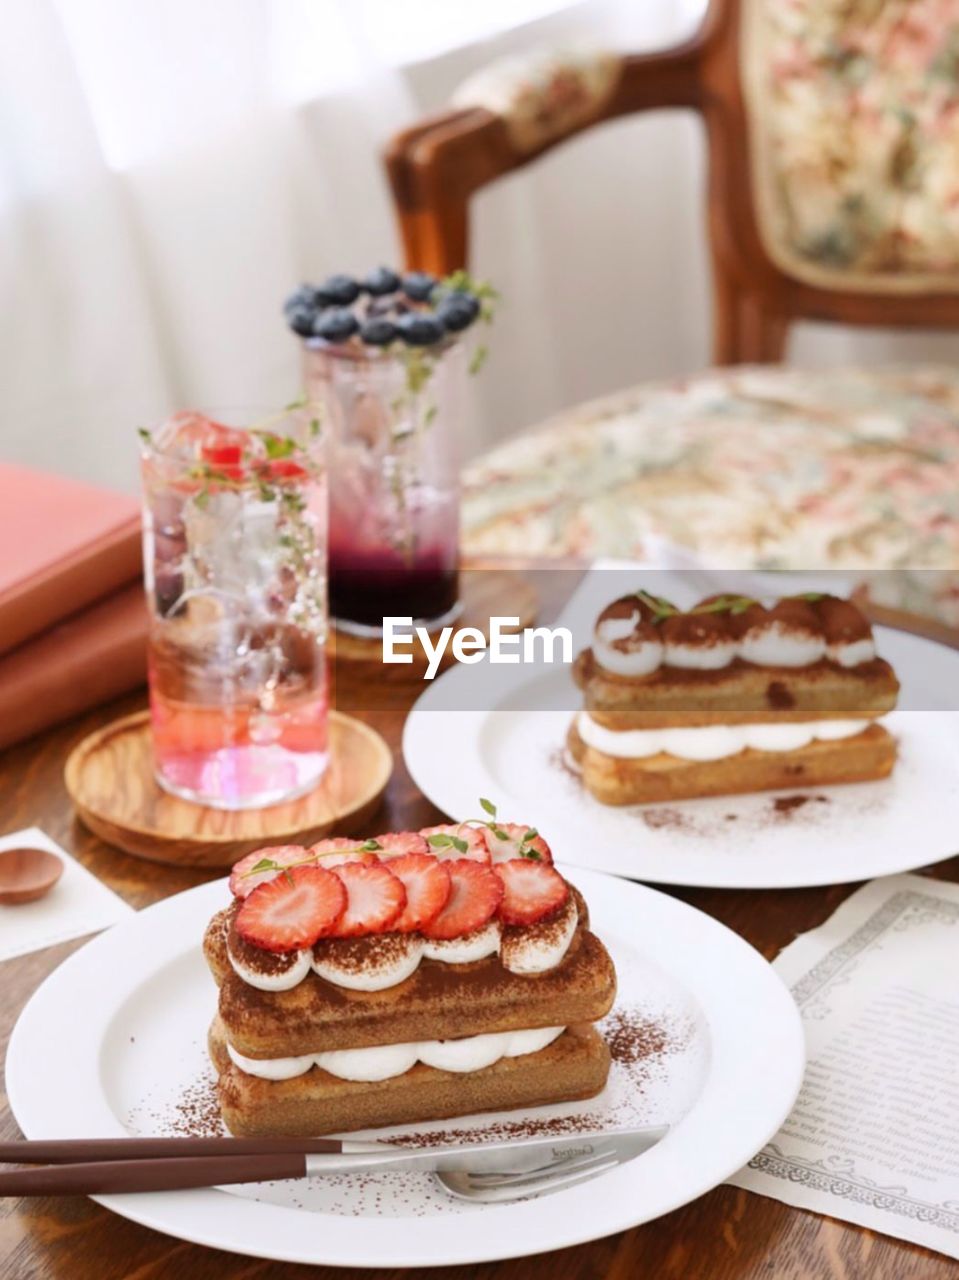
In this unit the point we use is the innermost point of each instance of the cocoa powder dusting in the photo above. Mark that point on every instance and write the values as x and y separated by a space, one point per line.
665 819
194 1114
786 806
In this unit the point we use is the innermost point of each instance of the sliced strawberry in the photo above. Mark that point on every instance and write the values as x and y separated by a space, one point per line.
427 885
242 883
475 894
531 890
226 455
285 469
396 843
375 898
517 844
339 850
472 837
293 911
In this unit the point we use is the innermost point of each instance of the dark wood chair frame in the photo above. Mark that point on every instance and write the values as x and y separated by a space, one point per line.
435 166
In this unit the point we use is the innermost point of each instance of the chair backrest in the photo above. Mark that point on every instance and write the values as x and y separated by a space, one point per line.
833 181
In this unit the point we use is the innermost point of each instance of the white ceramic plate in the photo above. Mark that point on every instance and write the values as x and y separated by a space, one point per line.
704 1036
513 752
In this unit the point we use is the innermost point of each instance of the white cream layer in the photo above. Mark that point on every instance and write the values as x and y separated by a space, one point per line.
529 950
770 644
711 742
382 1062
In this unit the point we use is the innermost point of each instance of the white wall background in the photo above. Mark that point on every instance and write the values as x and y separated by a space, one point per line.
169 169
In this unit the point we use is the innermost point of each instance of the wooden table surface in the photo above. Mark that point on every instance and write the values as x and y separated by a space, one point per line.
725 1234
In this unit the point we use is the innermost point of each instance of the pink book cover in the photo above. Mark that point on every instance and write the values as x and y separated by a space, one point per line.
63 545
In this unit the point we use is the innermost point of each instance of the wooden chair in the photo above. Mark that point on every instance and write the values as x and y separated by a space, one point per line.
794 234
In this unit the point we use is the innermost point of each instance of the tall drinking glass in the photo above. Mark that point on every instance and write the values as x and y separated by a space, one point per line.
392 418
234 542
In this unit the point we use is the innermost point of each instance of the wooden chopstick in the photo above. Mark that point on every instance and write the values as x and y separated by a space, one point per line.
91 1150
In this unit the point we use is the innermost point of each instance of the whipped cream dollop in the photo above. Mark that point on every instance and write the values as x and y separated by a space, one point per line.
523 950
376 961
623 646
477 945
370 963
383 1062
711 742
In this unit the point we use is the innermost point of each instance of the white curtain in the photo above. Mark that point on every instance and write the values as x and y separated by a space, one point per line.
170 168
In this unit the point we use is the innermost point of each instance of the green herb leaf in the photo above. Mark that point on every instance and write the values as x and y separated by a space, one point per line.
440 841
265 864
371 846
488 807
478 359
660 608
811 596
459 845
144 435
498 832
276 446
726 604
533 854
314 427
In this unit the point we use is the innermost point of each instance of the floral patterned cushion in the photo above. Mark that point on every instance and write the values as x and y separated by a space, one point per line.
542 96
854 119
747 468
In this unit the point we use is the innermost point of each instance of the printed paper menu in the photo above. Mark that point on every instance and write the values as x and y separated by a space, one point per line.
874 1135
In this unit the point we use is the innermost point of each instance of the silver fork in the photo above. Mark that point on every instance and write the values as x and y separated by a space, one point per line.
595 1155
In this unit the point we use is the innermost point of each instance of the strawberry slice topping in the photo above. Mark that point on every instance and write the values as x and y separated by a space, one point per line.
396 843
427 885
293 911
340 849
475 851
520 842
242 883
375 898
475 894
531 890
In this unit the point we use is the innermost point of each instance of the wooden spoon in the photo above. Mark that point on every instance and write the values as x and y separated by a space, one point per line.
27 874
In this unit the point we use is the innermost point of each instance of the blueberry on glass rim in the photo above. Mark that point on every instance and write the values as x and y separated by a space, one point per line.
340 290
336 325
458 311
378 332
381 281
419 329
418 285
301 319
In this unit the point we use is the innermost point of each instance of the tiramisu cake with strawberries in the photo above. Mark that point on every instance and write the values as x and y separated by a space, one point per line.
730 696
413 976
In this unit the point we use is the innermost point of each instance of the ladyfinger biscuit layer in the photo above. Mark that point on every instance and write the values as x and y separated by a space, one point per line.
741 693
661 778
572 1067
439 1001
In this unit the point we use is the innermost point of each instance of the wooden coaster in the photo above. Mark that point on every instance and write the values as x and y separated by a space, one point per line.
486 593
110 779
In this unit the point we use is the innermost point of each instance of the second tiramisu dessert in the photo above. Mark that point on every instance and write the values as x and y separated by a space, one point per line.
730 696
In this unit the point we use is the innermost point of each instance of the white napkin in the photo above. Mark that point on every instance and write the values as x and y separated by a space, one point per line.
874 1135
77 904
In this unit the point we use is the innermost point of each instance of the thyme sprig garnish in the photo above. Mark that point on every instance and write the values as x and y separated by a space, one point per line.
270 864
659 607
444 841
726 604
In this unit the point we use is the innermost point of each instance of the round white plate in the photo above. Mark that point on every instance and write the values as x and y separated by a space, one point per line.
704 1037
514 753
